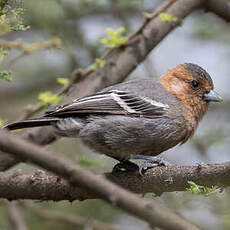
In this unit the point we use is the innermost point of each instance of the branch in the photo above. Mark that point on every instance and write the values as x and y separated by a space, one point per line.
69 219
40 136
119 64
15 216
106 190
28 48
41 186
221 8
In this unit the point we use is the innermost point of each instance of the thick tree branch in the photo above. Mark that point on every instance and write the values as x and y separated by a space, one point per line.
40 136
221 8
41 186
106 190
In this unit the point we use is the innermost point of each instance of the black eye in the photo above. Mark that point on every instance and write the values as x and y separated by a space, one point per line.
195 84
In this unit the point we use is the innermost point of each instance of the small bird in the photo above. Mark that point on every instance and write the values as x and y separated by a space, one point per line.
136 119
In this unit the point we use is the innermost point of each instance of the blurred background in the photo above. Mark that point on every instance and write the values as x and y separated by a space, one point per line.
75 27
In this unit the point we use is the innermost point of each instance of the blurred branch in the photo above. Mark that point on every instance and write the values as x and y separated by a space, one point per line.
221 8
15 216
118 65
31 110
3 3
84 9
69 219
28 48
106 190
150 16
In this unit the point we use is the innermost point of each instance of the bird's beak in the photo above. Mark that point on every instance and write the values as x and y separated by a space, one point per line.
212 96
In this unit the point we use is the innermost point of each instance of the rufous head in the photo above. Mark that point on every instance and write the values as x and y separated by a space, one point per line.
190 81
193 86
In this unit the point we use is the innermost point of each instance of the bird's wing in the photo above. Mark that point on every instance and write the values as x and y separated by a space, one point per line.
112 102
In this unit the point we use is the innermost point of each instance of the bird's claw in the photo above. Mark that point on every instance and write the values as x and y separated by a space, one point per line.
149 162
145 166
125 166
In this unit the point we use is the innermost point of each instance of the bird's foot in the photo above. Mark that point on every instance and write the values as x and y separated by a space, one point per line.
142 166
149 162
125 166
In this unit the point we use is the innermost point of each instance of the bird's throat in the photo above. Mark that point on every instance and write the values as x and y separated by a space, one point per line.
195 106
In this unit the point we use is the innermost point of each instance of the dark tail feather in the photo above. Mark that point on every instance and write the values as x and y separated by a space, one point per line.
31 123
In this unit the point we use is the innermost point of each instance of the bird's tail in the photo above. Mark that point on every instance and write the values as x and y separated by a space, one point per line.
44 121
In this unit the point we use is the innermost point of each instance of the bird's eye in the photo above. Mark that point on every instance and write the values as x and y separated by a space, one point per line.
195 84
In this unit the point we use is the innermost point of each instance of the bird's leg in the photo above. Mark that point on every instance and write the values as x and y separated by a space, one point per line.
149 162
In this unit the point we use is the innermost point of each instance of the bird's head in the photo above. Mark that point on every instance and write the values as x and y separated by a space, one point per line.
193 86
190 82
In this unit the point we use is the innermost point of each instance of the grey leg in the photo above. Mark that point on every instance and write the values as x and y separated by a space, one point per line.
149 162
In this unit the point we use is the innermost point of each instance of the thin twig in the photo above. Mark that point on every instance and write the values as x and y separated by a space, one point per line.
14 214
150 16
76 76
69 219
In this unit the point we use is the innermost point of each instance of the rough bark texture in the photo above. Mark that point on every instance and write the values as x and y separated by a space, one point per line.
42 186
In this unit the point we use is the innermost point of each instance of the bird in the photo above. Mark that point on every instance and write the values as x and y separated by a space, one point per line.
137 119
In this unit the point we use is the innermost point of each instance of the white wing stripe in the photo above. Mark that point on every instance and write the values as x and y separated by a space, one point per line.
90 97
122 103
92 100
156 103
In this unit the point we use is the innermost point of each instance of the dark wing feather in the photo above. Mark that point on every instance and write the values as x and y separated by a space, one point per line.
112 102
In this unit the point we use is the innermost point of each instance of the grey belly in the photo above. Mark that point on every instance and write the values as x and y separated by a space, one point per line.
121 137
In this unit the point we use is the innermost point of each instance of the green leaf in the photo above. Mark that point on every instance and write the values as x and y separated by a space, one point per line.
3 51
5 75
115 38
202 190
4 24
11 20
19 11
48 98
89 162
17 20
165 17
2 123
99 63
63 81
